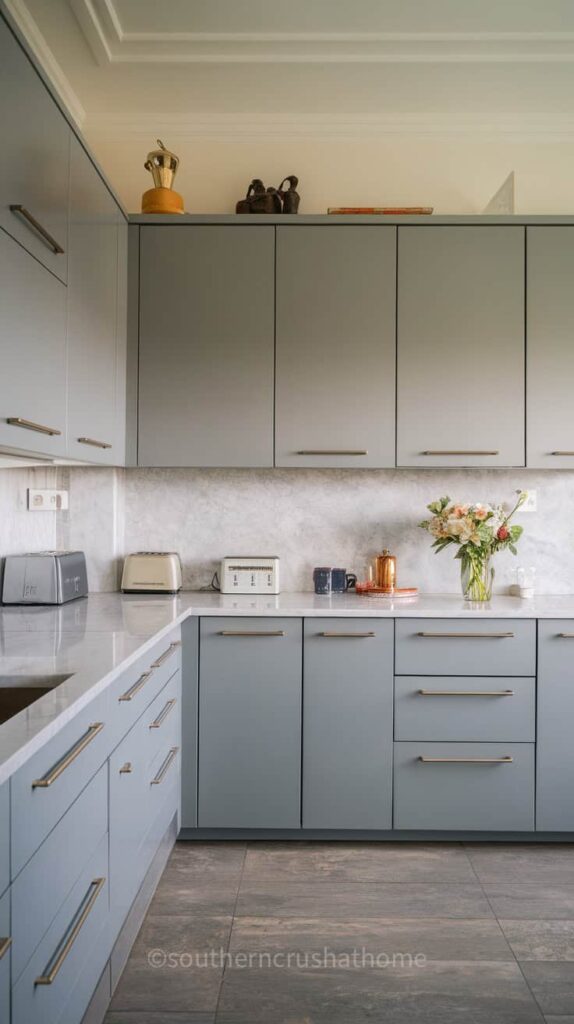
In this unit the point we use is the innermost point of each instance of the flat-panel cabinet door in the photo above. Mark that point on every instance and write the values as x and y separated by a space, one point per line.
206 346
460 346
92 315
250 723
335 386
5 954
348 723
550 351
32 353
554 747
34 159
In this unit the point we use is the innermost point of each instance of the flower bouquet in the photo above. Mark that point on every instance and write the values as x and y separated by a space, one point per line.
479 531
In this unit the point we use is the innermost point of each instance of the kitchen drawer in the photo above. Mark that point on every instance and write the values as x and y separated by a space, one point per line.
139 685
163 719
46 786
5 955
485 794
77 937
4 837
465 708
41 888
164 780
465 647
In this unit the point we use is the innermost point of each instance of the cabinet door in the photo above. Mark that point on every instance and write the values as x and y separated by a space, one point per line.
348 723
34 159
550 351
5 954
460 346
250 723
92 315
206 346
335 388
554 748
33 353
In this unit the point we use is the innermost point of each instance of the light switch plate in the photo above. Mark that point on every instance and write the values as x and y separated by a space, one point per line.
47 501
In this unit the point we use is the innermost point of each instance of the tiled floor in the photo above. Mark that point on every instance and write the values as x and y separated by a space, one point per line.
348 933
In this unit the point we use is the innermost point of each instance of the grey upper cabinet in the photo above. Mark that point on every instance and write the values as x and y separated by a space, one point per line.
34 160
460 346
32 353
550 350
95 409
335 384
206 346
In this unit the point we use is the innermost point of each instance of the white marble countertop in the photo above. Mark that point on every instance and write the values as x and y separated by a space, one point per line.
94 639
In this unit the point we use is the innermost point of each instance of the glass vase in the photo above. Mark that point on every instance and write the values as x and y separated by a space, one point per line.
476 576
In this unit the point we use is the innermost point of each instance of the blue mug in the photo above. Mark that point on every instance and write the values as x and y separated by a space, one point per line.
341 580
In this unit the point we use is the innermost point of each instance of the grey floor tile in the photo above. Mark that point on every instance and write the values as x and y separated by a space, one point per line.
202 862
137 1017
531 901
435 938
352 901
522 862
357 862
439 993
540 940
552 985
173 896
560 1019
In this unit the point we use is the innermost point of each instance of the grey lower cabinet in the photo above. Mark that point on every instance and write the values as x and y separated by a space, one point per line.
335 368
550 350
555 748
32 352
206 345
96 318
460 346
347 723
250 723
33 160
5 956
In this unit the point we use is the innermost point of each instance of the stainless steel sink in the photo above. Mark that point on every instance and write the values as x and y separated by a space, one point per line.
18 692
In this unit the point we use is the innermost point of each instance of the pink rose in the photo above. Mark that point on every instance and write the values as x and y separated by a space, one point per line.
503 533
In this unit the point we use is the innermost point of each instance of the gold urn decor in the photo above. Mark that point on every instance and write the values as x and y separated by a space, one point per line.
162 165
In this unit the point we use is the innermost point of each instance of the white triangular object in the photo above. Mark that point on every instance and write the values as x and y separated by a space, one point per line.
503 200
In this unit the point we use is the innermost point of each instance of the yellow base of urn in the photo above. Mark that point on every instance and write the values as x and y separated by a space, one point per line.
162 200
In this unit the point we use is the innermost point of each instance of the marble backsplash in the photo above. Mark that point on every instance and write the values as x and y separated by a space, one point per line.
307 517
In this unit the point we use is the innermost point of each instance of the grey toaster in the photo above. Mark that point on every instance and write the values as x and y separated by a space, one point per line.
44 577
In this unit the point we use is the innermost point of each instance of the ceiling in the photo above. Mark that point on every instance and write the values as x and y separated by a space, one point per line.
335 68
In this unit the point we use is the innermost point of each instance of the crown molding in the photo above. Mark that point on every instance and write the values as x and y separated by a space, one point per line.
45 57
109 43
252 127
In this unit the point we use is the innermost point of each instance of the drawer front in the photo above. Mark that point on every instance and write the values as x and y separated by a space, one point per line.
555 749
465 708
5 955
493 792
134 691
46 786
42 887
164 783
163 719
459 647
47 991
4 837
129 819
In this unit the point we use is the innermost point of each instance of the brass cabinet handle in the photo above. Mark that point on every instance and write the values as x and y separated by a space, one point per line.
163 714
126 769
466 636
5 946
95 444
358 636
566 636
465 693
133 690
17 208
333 451
562 453
17 421
68 758
466 760
253 632
460 453
166 654
165 767
55 964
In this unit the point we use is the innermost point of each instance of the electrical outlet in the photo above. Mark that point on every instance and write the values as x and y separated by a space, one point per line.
47 501
530 505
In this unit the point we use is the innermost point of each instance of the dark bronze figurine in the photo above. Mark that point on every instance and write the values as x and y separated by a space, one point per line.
290 197
270 200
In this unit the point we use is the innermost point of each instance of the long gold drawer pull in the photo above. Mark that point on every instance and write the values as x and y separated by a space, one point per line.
68 758
253 632
466 760
566 636
333 451
358 636
460 453
5 946
95 444
466 693
163 714
17 421
466 636
126 769
51 242
166 654
562 453
133 690
165 767
65 947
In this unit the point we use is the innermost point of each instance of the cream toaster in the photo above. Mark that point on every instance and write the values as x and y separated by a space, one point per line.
152 572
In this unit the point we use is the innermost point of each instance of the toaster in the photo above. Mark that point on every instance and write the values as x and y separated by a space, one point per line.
152 572
44 577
